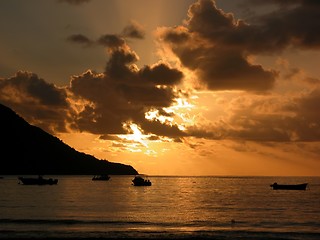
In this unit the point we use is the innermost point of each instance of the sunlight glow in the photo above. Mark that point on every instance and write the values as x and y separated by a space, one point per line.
177 114
154 114
135 133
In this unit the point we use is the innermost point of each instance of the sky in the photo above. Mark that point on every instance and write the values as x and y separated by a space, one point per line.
170 87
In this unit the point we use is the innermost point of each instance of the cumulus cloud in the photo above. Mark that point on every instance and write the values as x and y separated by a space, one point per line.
217 46
123 93
40 102
270 118
134 30
211 44
111 41
101 103
214 46
161 74
290 24
80 39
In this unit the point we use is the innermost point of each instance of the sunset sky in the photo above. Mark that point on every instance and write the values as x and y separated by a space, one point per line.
171 87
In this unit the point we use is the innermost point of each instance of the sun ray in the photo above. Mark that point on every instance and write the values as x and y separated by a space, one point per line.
135 134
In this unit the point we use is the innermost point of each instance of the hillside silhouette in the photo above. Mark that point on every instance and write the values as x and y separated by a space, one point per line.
26 149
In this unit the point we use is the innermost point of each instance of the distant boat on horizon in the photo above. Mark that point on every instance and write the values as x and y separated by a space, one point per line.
277 186
37 181
103 177
140 181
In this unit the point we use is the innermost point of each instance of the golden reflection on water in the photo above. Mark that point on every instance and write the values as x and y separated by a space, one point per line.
185 204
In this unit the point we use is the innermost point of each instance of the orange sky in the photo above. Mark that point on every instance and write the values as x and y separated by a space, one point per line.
170 87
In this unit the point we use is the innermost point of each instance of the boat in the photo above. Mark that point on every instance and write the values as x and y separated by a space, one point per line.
140 181
37 181
277 186
103 177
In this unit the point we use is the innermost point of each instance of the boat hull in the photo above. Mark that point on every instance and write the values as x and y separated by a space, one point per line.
38 181
276 186
142 184
139 181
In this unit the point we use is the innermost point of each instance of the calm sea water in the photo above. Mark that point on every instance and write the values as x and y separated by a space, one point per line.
172 208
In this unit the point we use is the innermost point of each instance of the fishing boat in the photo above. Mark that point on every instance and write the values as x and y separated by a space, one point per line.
37 181
277 186
101 178
140 181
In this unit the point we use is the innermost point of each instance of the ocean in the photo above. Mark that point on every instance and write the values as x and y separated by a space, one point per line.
172 208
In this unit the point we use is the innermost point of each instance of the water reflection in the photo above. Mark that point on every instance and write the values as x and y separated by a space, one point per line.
172 203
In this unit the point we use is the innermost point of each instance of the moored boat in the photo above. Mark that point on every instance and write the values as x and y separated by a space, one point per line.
277 186
37 181
101 178
140 181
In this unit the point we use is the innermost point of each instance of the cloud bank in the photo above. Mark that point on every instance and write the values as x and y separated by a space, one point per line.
100 103
211 44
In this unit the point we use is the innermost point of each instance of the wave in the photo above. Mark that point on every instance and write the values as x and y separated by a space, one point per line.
191 226
152 235
120 229
69 221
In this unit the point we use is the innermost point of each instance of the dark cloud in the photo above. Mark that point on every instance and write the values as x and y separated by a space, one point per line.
161 74
110 137
123 93
104 101
270 119
121 64
74 2
210 43
283 3
134 30
217 46
225 69
111 41
38 101
301 125
177 35
160 129
287 24
80 39
32 87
